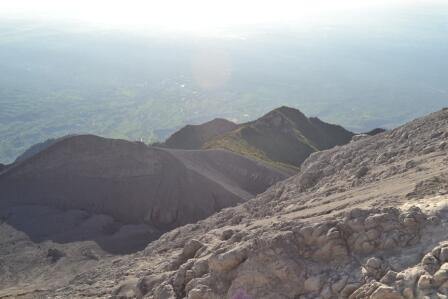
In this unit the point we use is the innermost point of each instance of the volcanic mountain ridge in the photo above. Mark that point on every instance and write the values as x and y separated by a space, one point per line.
365 220
284 137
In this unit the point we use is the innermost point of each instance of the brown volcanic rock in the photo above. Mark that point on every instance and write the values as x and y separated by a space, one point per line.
134 183
195 136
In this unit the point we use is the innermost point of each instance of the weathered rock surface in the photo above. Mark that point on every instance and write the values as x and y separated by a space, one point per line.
328 232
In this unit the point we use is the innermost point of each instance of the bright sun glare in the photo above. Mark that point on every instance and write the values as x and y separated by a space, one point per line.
189 15
195 16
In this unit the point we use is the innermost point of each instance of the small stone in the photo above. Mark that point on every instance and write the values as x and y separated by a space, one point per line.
55 254
410 164
385 292
362 172
189 275
312 284
444 254
333 233
127 290
165 291
348 290
440 277
367 247
428 150
200 292
436 252
307 234
430 263
389 277
425 282
408 293
190 248
436 135
339 285
227 234
389 244
147 283
227 261
444 288
326 292
196 294
373 234
433 220
374 263
410 222
200 268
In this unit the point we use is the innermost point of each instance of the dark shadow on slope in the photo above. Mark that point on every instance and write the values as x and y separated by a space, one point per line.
43 223
130 192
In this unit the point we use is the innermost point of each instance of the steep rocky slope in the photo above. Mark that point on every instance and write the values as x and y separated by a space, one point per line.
135 183
2 167
364 220
195 136
284 137
84 199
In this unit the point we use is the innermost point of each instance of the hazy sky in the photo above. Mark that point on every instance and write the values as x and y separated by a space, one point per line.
190 15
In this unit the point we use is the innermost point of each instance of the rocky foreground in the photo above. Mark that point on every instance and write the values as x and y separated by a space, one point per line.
364 220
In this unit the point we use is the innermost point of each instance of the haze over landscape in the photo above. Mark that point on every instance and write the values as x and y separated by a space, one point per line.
232 149
140 70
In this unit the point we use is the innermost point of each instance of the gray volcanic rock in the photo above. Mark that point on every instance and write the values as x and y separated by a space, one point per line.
368 219
285 137
135 183
327 232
